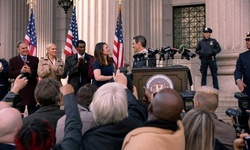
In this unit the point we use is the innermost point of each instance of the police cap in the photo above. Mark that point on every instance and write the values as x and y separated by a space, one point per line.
209 30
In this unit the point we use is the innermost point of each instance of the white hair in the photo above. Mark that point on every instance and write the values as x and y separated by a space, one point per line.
109 104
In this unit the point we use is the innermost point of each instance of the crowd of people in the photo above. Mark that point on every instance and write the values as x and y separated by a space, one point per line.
101 112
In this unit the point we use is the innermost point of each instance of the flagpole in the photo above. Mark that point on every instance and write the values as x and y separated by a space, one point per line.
30 36
31 3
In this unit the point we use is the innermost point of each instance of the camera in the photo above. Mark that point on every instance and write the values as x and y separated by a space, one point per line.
185 53
233 112
187 97
22 76
247 142
243 100
240 115
128 76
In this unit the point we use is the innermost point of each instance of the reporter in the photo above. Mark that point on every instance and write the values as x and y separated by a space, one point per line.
207 98
239 142
13 96
72 138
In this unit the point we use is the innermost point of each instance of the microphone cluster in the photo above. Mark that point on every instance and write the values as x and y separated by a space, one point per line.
170 52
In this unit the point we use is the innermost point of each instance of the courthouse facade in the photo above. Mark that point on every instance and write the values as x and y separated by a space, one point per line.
163 22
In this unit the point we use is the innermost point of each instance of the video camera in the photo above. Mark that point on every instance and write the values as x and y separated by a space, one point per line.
240 115
185 53
187 97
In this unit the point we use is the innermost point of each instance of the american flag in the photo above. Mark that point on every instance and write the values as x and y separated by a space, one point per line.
30 36
72 37
118 50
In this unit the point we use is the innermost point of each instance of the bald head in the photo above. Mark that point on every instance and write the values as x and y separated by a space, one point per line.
11 122
4 105
206 98
167 105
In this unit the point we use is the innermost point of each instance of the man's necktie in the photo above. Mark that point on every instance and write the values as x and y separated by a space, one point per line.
24 60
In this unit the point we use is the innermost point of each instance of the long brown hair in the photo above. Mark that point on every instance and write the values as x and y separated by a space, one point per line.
99 55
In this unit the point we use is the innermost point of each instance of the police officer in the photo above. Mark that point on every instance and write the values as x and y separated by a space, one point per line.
4 84
207 49
242 71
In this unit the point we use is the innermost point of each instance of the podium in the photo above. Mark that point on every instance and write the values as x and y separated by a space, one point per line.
180 76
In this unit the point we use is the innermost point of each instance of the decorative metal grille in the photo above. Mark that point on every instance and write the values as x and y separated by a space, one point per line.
189 22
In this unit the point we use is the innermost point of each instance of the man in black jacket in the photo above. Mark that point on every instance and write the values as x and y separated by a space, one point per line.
207 49
4 84
242 71
76 67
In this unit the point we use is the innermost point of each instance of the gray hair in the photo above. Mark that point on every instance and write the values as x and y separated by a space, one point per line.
20 42
109 104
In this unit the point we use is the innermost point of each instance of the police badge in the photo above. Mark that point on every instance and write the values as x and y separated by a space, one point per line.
159 81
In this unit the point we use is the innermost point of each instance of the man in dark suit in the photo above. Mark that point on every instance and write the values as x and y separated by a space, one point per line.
141 57
47 93
4 75
27 66
76 67
242 70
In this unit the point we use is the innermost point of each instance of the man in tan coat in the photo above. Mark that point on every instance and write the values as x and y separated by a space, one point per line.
162 130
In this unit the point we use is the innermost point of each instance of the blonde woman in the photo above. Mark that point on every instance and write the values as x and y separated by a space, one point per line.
50 65
199 130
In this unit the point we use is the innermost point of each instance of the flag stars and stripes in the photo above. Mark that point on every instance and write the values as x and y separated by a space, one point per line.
30 36
72 37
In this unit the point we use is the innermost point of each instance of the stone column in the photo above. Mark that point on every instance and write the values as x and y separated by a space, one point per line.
44 17
14 19
97 21
229 21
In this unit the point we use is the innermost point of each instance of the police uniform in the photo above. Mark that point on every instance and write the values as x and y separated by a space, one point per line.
242 70
207 50
4 84
45 68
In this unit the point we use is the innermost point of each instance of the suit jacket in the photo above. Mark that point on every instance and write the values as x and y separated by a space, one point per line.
4 75
242 70
77 77
27 93
7 147
49 113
